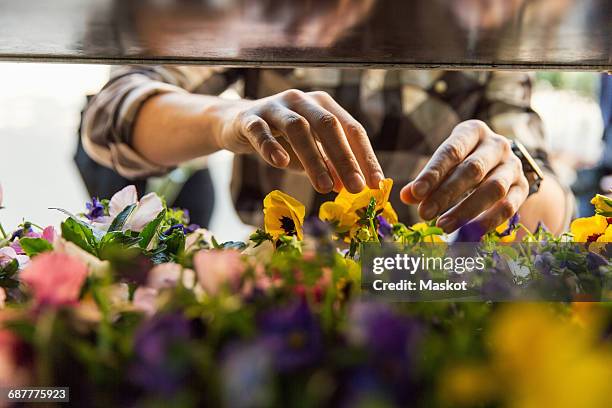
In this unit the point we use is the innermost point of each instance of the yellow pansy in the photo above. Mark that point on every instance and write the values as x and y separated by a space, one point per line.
283 215
606 236
333 212
343 210
603 205
389 214
563 366
508 238
589 229
422 226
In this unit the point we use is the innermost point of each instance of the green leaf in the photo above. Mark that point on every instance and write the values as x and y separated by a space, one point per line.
259 237
8 283
9 269
150 230
120 220
432 231
80 235
35 246
175 242
239 245
119 239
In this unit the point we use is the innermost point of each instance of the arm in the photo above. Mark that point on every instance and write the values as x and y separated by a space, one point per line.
478 162
307 131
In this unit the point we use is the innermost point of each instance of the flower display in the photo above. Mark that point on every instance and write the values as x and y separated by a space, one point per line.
129 304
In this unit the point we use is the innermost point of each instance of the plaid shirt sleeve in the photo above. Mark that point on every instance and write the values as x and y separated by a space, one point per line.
507 109
109 116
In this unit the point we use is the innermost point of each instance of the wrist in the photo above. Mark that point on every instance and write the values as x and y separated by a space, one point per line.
221 122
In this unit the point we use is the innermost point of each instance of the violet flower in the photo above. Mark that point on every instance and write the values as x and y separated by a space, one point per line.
380 329
385 230
470 232
544 263
95 209
512 224
292 336
158 366
185 229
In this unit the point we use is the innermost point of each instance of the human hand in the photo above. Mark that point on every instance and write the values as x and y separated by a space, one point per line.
308 131
473 161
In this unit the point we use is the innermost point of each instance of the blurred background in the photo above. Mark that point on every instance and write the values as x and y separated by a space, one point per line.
40 107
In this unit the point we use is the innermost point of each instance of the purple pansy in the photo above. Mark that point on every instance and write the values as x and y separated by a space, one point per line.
292 336
470 232
385 230
95 209
512 224
187 229
544 263
159 366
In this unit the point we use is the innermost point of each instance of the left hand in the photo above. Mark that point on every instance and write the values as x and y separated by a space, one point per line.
474 162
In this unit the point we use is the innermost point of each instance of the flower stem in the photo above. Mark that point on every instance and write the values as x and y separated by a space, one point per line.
374 232
2 231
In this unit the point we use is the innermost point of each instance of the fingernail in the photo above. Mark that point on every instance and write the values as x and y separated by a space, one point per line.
278 157
355 182
447 224
430 211
420 188
325 182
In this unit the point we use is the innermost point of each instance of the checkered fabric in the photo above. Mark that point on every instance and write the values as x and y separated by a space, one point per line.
406 113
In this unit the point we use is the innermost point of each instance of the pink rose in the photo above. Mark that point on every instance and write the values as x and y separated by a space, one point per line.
218 268
55 278
145 300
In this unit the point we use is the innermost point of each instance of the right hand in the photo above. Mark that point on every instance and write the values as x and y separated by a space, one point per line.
308 131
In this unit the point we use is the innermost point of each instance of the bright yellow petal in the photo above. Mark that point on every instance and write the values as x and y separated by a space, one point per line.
278 205
390 214
602 203
583 228
607 235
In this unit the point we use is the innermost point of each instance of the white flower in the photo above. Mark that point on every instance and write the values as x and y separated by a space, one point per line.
262 253
201 234
7 254
146 209
518 270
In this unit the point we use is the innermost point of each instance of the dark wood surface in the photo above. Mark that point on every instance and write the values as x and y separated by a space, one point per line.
513 34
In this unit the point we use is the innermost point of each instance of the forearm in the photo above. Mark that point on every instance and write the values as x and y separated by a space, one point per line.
173 127
548 205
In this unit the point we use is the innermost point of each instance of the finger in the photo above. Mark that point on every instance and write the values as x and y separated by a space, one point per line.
503 209
465 177
296 165
258 133
464 138
335 145
294 162
485 196
298 133
357 138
